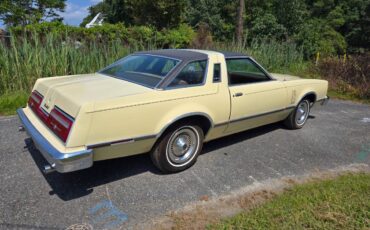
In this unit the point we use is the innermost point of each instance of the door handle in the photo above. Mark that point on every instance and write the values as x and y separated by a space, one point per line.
238 94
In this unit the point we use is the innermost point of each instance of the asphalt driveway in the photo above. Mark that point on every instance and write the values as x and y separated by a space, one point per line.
125 192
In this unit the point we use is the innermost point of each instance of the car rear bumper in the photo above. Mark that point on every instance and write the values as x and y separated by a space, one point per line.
58 161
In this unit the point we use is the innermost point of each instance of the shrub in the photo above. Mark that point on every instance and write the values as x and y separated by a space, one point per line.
347 75
137 36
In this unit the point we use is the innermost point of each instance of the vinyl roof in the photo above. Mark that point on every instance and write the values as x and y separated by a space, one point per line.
233 54
185 55
188 55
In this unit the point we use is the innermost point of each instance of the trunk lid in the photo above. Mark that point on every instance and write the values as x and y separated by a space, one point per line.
71 92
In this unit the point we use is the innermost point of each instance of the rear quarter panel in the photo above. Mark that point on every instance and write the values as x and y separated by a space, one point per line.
297 89
147 115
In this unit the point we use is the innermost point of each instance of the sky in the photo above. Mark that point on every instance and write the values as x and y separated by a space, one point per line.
75 11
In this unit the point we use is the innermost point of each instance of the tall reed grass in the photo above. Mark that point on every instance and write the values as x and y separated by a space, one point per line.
23 60
282 57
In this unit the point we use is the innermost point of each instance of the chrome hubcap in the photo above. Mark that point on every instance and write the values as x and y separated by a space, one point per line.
302 113
182 145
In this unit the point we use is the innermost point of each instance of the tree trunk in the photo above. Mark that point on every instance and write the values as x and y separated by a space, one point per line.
240 22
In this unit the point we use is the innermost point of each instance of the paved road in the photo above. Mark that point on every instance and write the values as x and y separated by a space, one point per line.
133 191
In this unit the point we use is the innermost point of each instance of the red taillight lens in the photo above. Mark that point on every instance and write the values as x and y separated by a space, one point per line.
35 100
60 123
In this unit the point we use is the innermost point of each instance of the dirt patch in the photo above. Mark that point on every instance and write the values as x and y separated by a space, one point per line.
210 210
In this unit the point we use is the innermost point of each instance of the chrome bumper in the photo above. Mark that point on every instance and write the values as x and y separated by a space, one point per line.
324 100
61 162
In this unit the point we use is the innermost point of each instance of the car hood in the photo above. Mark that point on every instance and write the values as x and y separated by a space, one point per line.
69 93
284 77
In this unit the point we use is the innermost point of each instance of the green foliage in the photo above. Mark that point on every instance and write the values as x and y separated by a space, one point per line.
267 27
136 36
218 15
179 37
326 26
347 75
340 203
291 14
279 57
12 101
52 49
24 12
25 60
157 13
351 19
316 36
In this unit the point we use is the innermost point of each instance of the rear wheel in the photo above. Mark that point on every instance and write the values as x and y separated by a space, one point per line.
178 148
298 117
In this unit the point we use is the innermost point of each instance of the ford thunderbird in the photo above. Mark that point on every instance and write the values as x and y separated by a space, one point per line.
164 102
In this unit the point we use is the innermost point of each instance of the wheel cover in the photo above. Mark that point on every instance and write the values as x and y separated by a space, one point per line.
302 112
182 146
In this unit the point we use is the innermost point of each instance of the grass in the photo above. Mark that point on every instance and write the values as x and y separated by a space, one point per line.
347 96
11 101
341 203
22 61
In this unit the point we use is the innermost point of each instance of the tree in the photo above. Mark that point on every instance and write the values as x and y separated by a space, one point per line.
240 22
24 12
219 15
158 13
292 14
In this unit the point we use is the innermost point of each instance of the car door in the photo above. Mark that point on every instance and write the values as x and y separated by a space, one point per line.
256 98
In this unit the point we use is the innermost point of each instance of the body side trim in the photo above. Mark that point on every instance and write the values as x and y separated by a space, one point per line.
253 116
145 137
121 141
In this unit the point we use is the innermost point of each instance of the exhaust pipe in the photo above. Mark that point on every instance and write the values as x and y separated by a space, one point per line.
49 169
21 129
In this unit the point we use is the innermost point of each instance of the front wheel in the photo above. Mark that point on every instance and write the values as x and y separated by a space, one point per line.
298 117
179 148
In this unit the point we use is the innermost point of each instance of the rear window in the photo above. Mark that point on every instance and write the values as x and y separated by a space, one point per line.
141 69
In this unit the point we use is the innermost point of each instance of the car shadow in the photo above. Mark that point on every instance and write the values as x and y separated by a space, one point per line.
69 186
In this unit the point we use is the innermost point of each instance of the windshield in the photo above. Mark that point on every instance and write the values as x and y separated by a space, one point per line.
141 69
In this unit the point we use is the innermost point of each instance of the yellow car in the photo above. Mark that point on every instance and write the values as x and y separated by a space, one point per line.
166 102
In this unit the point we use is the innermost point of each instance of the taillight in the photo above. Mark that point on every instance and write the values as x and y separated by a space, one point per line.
34 102
60 123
